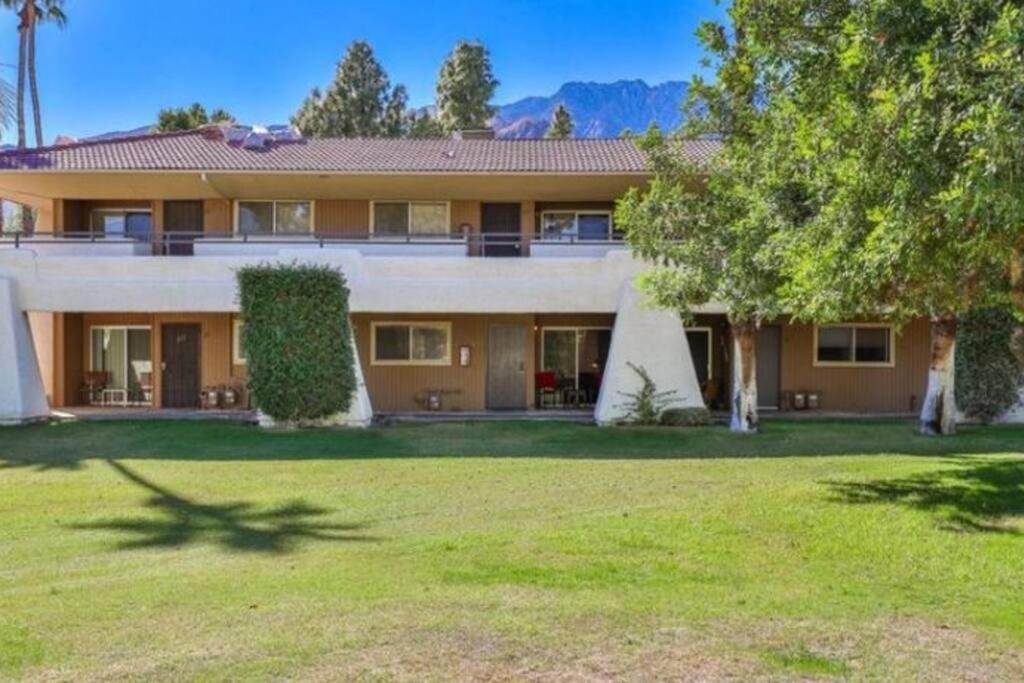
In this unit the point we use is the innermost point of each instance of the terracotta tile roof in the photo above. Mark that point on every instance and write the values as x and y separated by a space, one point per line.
200 150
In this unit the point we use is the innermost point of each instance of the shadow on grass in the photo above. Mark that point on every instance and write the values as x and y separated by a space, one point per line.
982 496
234 526
65 446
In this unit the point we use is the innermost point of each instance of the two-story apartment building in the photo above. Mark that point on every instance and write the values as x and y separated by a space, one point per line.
484 274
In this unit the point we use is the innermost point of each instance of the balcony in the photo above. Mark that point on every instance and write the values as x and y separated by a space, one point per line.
177 244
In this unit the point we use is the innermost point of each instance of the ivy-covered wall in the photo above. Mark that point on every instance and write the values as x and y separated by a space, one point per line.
297 340
989 369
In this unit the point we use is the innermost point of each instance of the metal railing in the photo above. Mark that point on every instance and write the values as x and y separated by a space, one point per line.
183 243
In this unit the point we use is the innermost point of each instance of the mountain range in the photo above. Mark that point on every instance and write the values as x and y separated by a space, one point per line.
599 110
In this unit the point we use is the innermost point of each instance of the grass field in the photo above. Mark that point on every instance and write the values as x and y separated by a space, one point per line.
163 550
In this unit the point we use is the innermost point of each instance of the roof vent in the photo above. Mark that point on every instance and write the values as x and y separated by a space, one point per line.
474 134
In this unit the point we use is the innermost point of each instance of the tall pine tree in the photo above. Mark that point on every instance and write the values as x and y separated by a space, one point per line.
359 103
465 88
561 124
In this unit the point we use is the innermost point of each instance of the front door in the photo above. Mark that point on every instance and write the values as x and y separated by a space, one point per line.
769 352
183 221
499 224
506 367
180 367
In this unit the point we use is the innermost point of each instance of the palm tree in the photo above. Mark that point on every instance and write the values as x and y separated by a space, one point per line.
30 13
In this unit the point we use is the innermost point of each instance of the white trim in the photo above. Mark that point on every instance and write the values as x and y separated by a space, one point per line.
447 213
432 324
576 221
853 341
576 356
237 214
236 341
711 350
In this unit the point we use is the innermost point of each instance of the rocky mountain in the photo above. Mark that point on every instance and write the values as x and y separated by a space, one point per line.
599 110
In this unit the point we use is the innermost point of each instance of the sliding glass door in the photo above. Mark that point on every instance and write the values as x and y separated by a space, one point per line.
124 355
576 356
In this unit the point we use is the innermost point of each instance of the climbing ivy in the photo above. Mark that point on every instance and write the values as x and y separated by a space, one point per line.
989 369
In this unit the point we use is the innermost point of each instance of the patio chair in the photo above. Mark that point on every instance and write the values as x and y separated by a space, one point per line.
93 384
547 389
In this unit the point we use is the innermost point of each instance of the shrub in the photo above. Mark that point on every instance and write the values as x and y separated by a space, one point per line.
685 417
988 371
297 340
644 407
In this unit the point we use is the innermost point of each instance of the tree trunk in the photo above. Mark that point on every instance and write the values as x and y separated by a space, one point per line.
22 56
32 84
744 378
938 412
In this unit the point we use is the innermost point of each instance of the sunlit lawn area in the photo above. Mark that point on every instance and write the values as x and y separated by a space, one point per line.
171 550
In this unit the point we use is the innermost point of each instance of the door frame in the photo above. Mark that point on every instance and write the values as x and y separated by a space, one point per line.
184 247
526 349
503 239
778 369
198 327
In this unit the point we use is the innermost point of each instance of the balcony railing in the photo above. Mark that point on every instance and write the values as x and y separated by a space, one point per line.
85 243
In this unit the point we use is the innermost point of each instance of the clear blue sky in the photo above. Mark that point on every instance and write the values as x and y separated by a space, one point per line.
119 61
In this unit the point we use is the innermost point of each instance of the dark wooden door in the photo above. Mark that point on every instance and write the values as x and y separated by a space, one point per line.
183 221
506 367
500 225
769 362
180 365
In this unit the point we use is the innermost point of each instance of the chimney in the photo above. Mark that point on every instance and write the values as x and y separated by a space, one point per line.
474 134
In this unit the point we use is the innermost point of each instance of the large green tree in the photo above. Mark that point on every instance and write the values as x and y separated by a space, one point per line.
465 87
360 102
561 124
709 230
181 118
907 118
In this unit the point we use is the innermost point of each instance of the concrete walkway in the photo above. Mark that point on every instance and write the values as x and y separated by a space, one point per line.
100 414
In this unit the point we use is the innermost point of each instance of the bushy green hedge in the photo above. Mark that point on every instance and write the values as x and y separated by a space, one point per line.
297 340
988 370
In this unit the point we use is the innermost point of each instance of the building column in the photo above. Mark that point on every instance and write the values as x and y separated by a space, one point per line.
654 340
22 397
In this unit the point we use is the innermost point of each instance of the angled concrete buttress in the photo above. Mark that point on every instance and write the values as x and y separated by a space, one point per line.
360 413
654 340
22 397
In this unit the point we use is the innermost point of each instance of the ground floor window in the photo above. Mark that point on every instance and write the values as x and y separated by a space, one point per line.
275 217
131 223
861 344
572 364
237 352
411 343
121 366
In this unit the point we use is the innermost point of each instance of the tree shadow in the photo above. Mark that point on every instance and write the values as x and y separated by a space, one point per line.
984 496
236 526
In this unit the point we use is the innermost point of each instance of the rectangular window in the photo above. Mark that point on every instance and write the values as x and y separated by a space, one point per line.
853 345
124 355
275 218
582 225
238 353
131 223
576 356
413 343
398 219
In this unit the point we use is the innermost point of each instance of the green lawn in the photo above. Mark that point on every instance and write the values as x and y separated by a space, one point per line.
510 551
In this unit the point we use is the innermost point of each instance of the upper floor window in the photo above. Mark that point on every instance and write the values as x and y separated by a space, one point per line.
409 218
853 345
582 225
275 217
134 223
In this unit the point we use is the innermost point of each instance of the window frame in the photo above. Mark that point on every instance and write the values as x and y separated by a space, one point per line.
408 234
576 349
446 326
124 211
853 347
126 328
576 224
705 329
274 202
236 342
